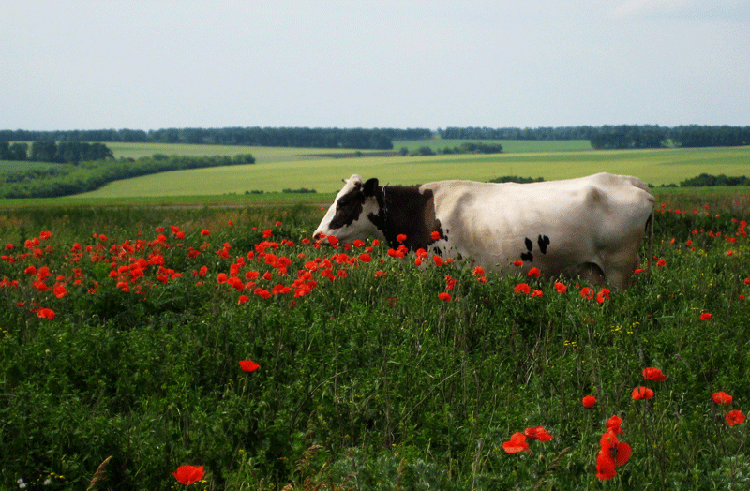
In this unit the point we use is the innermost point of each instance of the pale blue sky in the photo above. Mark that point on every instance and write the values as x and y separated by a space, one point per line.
377 63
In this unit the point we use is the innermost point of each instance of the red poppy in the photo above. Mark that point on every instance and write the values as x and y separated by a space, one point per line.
438 260
242 300
614 424
45 313
661 263
537 293
588 401
516 444
518 262
735 417
444 296
522 288
482 280
400 238
652 373
538 433
560 287
642 393
605 466
188 474
706 316
332 239
478 271
535 272
435 235
587 293
205 232
722 398
249 366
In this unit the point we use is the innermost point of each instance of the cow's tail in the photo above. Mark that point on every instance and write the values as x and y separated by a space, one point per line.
650 227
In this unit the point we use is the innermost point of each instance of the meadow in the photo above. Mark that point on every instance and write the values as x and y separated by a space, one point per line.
123 329
125 320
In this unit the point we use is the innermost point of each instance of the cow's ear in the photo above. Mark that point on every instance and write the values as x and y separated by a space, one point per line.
370 186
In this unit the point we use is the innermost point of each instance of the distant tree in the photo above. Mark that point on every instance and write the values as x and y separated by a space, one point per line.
43 151
17 151
404 151
4 150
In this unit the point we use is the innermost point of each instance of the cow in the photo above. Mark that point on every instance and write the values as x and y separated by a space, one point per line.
590 227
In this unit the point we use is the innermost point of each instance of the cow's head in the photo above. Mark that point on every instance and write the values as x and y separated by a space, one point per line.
354 213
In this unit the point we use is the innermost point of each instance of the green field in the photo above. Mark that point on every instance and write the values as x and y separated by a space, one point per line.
656 167
122 328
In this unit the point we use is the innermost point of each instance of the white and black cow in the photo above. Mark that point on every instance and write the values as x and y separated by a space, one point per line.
590 227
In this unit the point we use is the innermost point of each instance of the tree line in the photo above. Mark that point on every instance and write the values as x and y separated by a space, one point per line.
70 152
66 180
357 138
612 137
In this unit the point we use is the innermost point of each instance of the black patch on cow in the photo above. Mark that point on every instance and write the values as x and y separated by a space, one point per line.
528 243
348 208
543 242
405 210
527 256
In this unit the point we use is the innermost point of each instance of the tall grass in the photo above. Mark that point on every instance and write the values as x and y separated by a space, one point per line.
367 381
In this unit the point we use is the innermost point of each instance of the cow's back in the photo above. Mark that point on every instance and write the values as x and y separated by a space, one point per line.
561 227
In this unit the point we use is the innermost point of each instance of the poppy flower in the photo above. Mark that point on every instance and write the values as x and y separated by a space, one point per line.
205 232
522 288
444 296
661 263
652 373
642 393
605 466
438 260
188 474
242 300
722 398
588 401
400 238
535 272
537 293
249 366
735 417
435 235
332 239
587 293
478 271
45 313
706 316
516 444
561 288
538 433
518 262
614 424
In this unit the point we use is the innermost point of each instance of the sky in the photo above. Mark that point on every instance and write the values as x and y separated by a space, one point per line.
372 64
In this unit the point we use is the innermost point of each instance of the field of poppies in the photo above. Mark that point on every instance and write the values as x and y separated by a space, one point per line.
215 348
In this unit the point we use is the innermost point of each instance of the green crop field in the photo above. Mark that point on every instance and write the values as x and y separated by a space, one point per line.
656 167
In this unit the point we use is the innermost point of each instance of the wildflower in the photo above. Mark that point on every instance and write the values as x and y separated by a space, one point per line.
605 466
249 366
722 398
333 240
188 474
538 433
205 232
560 287
602 295
435 235
706 316
516 444
518 263
661 263
537 293
365 258
242 300
400 238
642 393
45 313
735 417
444 296
535 272
482 280
478 271
587 293
438 260
588 401
522 288
652 373
614 424
450 282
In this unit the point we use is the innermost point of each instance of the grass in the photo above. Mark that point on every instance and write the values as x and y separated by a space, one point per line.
657 167
365 382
